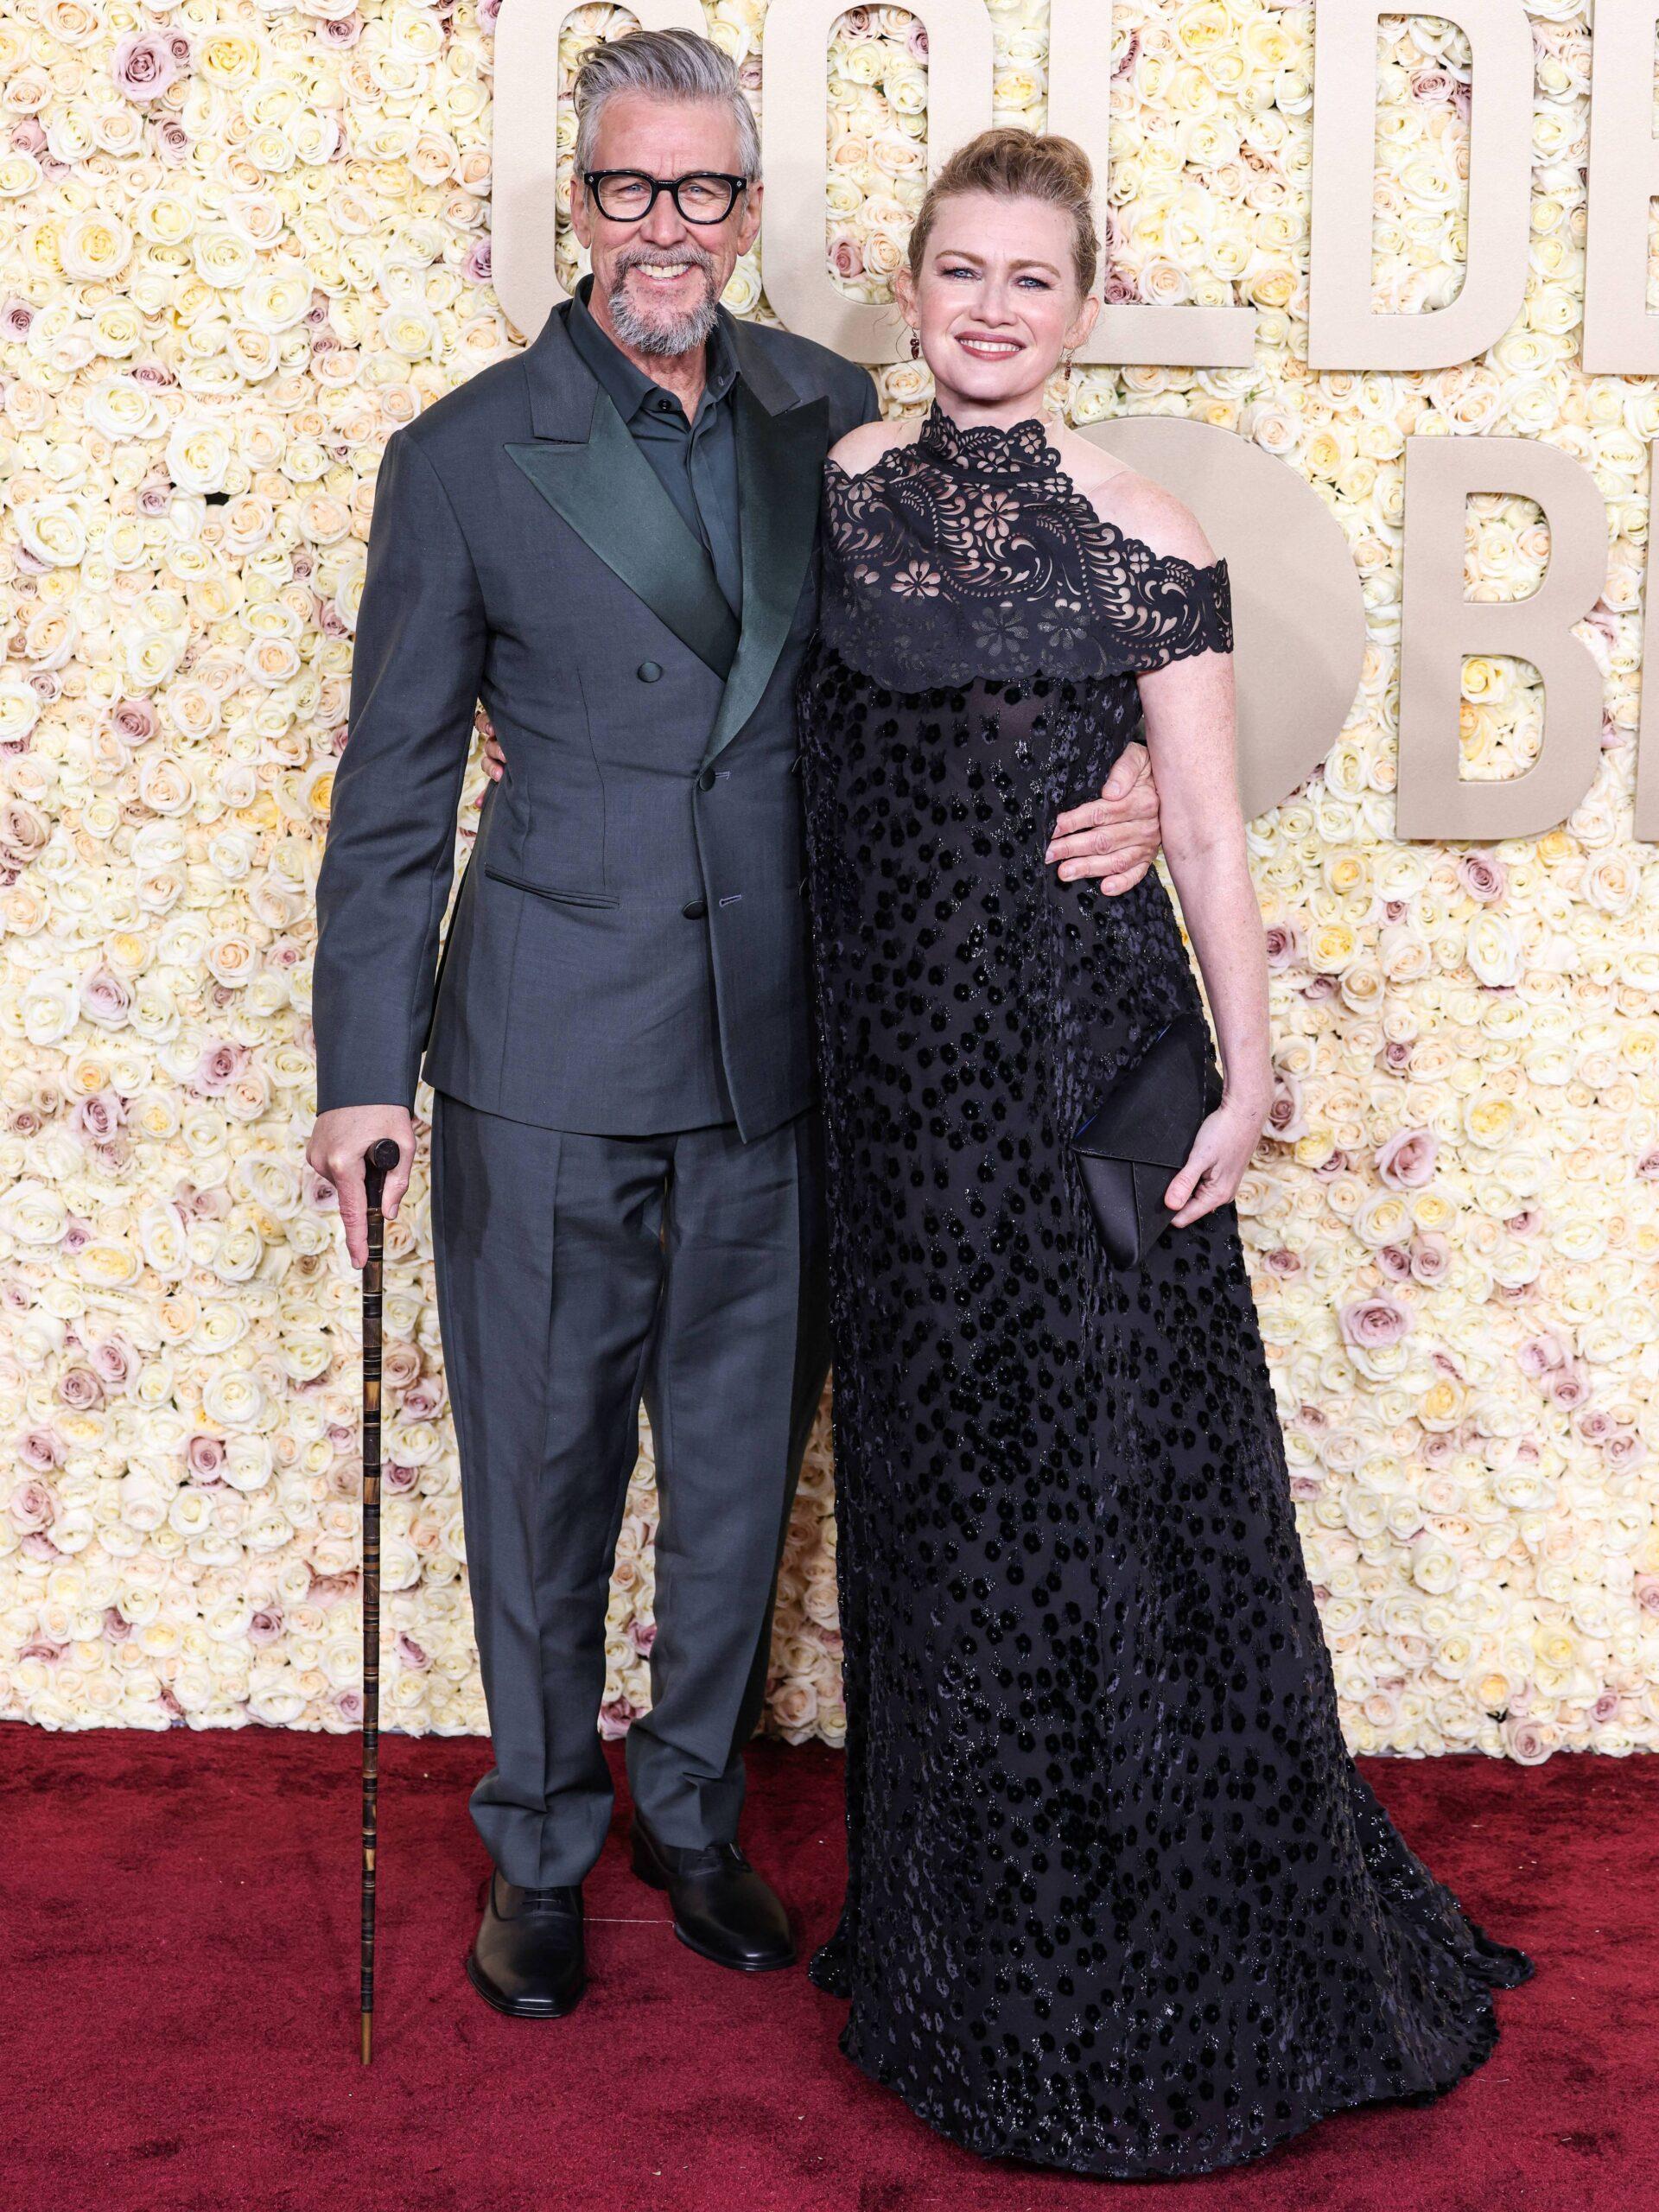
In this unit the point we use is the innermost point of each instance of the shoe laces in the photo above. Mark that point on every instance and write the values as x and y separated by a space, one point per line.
560 1900
713 1857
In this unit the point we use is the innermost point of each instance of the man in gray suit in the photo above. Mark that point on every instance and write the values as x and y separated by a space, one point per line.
608 540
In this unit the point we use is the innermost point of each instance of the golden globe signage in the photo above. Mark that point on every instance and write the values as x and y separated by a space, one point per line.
1300 613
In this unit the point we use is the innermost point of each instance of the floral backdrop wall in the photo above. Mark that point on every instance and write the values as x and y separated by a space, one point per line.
242 242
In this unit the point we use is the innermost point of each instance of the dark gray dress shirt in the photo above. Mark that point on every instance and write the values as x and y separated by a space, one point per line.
694 461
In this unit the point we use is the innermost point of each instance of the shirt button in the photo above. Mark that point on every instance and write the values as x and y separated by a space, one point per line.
649 671
695 910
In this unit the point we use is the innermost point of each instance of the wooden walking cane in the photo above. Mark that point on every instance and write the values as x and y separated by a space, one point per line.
378 1163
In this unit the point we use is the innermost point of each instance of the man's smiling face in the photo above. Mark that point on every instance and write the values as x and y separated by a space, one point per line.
657 281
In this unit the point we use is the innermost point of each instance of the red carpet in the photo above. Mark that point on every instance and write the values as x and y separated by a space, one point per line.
178 2028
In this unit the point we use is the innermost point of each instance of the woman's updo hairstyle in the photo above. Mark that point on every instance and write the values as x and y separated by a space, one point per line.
1013 164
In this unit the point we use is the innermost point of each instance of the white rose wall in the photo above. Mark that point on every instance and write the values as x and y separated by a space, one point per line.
242 244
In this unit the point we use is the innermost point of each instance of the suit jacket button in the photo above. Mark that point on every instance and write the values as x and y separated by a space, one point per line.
694 909
649 671
706 780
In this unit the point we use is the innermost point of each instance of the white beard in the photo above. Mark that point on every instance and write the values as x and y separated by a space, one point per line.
675 334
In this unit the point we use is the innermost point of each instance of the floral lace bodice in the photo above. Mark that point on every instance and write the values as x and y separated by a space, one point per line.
971 553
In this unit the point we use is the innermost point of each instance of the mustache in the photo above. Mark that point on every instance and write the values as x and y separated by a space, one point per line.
698 257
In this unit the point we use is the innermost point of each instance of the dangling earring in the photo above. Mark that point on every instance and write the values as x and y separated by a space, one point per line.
915 343
1065 360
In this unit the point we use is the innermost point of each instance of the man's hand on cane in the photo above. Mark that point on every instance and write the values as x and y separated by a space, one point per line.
338 1140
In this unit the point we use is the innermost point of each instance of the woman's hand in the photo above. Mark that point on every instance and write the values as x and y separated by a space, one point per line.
495 761
1215 1168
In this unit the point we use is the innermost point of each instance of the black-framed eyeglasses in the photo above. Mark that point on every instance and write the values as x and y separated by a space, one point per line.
629 196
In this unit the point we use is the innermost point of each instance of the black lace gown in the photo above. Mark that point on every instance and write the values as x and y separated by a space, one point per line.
1118 1898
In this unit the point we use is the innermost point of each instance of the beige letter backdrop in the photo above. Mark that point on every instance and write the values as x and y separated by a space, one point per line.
243 242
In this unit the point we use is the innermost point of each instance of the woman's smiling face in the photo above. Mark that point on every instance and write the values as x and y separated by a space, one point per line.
997 301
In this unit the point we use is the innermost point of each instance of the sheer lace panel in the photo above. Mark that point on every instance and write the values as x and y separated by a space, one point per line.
972 553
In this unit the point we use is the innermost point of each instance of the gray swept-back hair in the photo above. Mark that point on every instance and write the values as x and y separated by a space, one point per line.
668 64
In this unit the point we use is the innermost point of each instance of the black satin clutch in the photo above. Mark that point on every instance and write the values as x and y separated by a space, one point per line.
1143 1130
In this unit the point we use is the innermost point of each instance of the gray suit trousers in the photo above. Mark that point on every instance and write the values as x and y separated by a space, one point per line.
577 1274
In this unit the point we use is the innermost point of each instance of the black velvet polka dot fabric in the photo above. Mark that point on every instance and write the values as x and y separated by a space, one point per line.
1118 1899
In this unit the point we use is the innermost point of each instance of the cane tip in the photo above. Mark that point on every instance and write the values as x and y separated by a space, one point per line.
368 2025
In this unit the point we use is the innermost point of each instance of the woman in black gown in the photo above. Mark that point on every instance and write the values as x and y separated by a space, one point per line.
1118 1899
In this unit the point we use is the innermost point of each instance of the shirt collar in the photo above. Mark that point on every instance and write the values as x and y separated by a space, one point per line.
626 383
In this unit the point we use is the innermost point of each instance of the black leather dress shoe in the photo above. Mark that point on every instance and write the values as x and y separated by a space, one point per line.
723 1908
527 1958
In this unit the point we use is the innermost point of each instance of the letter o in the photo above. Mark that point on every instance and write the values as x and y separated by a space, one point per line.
1299 613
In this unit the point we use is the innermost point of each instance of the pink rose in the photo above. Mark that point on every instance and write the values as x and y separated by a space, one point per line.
98 1118
106 998
1569 1386
412 1654
23 831
1285 1120
1482 878
1374 1321
401 1366
116 1628
1394 1261
16 317
1526 1741
41 1449
845 258
133 721
266 1626
1537 1354
218 1069
114 1361
1284 942
32 1505
616 1717
146 63
1431 1258
476 264
79 1387
1282 1263
204 1456
1406 1162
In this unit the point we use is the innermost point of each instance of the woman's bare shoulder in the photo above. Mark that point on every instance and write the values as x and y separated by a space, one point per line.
1139 507
863 447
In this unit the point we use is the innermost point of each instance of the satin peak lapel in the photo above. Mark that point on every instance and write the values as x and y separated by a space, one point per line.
609 494
779 478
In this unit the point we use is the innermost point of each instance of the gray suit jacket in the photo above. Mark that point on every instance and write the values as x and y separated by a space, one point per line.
628 953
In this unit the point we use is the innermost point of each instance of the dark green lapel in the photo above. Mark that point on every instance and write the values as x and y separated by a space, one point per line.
779 477
611 497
